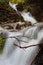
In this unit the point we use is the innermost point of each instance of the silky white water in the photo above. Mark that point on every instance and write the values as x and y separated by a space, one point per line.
27 16
13 55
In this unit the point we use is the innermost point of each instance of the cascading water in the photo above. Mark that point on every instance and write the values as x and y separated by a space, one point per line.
27 16
14 6
13 55
9 47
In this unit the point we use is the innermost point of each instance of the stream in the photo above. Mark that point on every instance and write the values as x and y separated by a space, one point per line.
13 55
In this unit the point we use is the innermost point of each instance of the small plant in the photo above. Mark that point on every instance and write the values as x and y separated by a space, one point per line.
2 42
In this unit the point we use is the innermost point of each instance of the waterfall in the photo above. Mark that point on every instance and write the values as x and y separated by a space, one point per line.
13 55
26 15
14 6
9 47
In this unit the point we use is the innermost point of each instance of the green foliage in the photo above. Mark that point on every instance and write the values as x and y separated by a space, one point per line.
2 41
17 1
2 0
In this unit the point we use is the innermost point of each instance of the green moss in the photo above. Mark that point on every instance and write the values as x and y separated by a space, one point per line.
2 42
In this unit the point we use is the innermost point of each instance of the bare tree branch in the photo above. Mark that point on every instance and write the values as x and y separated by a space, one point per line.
23 41
16 37
27 46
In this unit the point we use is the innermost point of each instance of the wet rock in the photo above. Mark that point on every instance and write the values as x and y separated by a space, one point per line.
37 9
19 7
18 27
39 58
